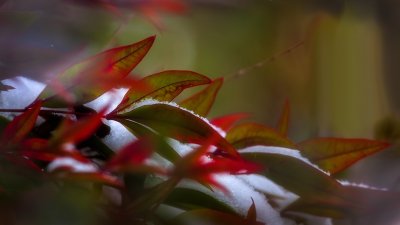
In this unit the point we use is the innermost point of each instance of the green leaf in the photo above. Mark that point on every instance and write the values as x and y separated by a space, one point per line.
319 193
336 154
91 78
250 134
201 102
177 123
189 199
163 86
283 122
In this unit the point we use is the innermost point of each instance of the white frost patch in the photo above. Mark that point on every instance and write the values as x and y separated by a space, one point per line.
239 198
149 101
181 148
281 151
75 165
25 92
360 185
111 98
119 136
264 185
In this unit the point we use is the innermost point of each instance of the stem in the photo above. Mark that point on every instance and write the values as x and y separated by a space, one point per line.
47 110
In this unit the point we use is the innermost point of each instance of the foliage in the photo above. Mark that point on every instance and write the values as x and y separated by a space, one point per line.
50 155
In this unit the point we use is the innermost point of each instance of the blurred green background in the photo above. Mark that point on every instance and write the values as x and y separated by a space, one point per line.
341 81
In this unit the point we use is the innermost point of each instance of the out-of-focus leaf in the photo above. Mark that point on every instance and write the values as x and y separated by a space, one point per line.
94 177
163 86
76 131
209 217
201 102
131 158
3 123
177 123
163 148
5 87
21 125
86 81
189 199
153 196
250 134
195 166
252 212
283 122
336 154
227 121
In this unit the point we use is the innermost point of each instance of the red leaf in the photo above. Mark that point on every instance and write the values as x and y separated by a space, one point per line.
74 132
227 121
88 80
283 122
135 153
336 154
21 125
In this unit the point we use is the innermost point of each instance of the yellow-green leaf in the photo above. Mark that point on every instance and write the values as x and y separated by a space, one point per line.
336 154
201 102
250 134
163 86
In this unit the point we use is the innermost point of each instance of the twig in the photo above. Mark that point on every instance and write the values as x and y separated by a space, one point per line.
261 63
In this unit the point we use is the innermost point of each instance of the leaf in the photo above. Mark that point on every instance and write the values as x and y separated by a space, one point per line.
163 148
5 87
76 131
163 86
21 125
227 121
295 175
189 199
177 123
336 154
252 212
86 81
319 193
250 134
131 158
283 122
201 102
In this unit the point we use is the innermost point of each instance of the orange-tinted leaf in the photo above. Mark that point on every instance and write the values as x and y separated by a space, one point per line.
201 102
336 154
21 125
250 134
177 123
88 80
163 86
283 122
